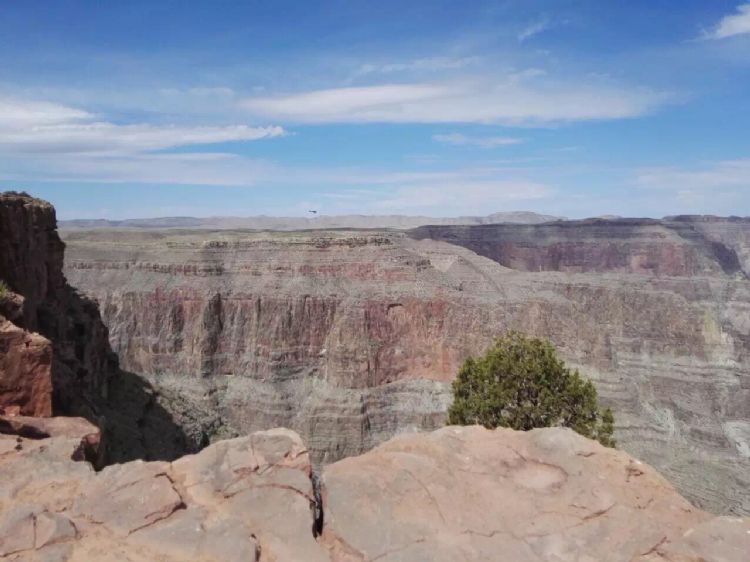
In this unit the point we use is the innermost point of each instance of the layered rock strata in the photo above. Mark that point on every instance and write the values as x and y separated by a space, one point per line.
456 494
676 247
350 337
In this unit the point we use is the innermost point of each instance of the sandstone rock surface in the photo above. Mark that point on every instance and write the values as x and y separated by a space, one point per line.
241 500
466 493
25 371
350 337
455 494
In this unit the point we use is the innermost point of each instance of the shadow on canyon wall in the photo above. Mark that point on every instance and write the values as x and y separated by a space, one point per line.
88 382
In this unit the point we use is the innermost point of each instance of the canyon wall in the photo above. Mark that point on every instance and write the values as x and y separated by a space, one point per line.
55 355
31 264
679 247
352 336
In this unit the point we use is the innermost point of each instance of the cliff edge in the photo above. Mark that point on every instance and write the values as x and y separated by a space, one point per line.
459 493
56 358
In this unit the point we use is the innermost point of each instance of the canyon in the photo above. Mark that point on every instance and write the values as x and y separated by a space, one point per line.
350 337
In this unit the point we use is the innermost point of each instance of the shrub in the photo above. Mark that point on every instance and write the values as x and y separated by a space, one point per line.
521 383
4 290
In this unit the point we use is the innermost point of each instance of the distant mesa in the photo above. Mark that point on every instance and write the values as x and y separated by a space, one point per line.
315 221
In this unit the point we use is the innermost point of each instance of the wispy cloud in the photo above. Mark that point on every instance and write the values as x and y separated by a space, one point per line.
17 114
719 187
211 169
731 25
725 174
458 139
53 128
431 64
462 196
534 29
508 101
462 190
44 141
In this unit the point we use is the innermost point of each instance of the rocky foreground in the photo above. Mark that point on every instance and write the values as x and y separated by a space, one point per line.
460 493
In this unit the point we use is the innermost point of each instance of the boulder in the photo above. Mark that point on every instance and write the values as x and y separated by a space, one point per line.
25 371
467 493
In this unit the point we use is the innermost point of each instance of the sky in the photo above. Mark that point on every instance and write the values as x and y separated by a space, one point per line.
440 108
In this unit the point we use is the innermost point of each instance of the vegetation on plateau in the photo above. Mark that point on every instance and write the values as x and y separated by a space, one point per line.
521 383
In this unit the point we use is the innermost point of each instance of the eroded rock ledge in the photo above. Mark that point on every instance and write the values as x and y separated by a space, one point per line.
454 494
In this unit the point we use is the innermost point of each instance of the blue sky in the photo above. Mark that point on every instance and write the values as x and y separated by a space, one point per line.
575 108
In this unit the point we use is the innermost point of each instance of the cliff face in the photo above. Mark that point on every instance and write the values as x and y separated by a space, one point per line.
642 246
455 494
350 337
55 355
80 363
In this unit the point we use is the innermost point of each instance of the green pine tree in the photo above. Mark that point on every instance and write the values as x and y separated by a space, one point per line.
521 383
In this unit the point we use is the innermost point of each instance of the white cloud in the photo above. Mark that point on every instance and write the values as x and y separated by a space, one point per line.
20 114
514 101
108 137
735 24
726 174
721 188
458 139
431 64
467 196
42 141
459 191
177 169
534 29
465 190
46 127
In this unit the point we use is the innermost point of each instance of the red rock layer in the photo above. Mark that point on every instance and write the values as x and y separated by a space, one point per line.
25 372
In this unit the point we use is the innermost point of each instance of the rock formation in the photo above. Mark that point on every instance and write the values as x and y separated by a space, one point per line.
55 355
31 264
456 494
350 337
679 247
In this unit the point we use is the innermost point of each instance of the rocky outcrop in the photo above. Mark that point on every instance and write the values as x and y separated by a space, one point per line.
89 436
466 493
25 371
55 355
31 264
352 337
456 494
